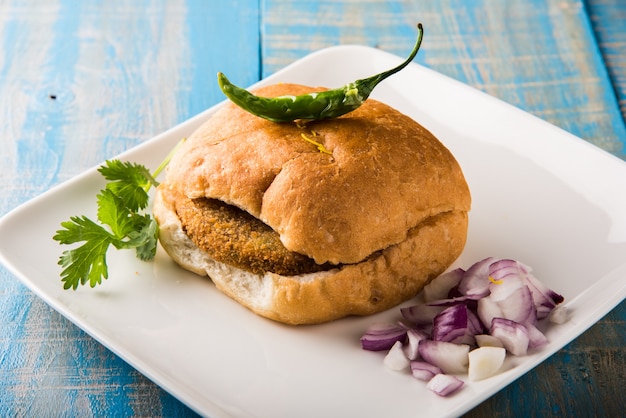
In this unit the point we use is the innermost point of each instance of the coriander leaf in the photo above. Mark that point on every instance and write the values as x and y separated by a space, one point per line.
86 263
119 207
113 212
148 236
129 181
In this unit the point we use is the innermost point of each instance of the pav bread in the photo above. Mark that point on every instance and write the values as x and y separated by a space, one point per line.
311 221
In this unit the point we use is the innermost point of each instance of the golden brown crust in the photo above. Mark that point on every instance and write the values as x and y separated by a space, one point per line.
386 175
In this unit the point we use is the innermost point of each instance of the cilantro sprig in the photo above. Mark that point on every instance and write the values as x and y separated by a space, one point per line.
122 223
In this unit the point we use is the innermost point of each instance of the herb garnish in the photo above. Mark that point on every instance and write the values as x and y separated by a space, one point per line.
121 208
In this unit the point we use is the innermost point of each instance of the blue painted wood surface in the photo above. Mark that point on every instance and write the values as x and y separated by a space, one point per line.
82 81
608 18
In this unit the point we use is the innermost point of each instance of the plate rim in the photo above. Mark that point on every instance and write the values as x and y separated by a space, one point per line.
164 381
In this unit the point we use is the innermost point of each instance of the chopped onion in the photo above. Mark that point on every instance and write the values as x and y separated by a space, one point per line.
449 357
451 324
444 384
559 315
379 337
440 287
514 336
456 324
505 277
544 298
421 314
450 301
395 358
519 306
488 309
506 269
474 325
536 338
498 296
475 281
486 340
423 370
484 362
412 346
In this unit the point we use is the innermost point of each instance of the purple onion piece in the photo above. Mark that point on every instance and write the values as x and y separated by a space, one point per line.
411 348
450 301
503 269
475 281
519 307
544 298
514 336
451 324
440 286
536 338
423 370
449 357
379 337
487 310
474 325
395 358
503 288
444 385
420 314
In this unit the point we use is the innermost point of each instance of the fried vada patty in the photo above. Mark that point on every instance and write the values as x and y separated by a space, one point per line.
234 237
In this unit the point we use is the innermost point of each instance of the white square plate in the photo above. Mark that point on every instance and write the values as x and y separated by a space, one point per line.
540 195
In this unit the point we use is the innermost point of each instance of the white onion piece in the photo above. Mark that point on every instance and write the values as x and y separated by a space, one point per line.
475 282
544 298
519 306
506 269
485 362
440 287
488 309
486 340
514 336
395 358
536 338
444 384
506 277
474 325
559 315
423 370
421 314
382 336
449 357
412 346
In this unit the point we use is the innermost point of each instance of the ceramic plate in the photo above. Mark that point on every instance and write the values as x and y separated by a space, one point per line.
540 195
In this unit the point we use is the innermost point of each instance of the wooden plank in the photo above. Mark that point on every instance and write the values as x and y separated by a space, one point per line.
80 82
608 18
540 56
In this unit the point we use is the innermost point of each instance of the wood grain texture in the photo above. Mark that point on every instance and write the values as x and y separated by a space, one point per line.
82 81
540 56
608 18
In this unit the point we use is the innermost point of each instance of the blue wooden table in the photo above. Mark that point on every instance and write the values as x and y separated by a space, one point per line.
81 82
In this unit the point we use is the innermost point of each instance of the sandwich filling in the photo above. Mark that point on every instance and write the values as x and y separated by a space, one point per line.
232 236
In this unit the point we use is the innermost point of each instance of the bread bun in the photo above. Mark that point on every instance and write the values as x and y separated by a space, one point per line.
387 205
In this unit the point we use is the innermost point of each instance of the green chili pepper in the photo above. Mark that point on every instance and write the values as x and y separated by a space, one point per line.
313 106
